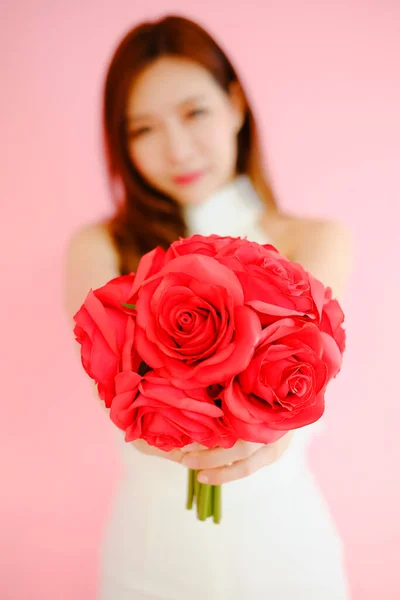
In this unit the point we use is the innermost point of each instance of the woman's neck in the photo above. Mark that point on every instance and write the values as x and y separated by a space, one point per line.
227 211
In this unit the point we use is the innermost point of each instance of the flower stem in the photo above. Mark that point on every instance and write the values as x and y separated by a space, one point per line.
210 511
217 510
196 486
204 501
207 498
191 475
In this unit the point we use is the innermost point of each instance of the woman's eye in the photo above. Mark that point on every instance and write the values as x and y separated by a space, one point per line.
197 112
135 133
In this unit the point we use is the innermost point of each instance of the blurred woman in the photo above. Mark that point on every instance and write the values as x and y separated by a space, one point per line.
183 156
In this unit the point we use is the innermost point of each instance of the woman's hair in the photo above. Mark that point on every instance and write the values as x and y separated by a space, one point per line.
144 217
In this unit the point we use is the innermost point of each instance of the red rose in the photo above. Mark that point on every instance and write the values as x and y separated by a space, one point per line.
105 330
192 324
210 245
273 285
283 386
116 291
332 320
152 409
150 264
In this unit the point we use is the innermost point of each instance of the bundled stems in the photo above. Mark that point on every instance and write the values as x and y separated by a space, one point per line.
207 498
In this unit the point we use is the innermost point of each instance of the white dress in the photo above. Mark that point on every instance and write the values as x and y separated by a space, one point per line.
277 539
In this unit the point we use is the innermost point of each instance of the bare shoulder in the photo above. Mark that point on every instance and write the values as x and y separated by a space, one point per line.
322 235
90 239
290 233
91 260
323 247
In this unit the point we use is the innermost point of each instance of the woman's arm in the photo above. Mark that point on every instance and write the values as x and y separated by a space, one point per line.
323 249
90 261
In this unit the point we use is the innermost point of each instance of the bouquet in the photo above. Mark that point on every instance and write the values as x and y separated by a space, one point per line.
214 340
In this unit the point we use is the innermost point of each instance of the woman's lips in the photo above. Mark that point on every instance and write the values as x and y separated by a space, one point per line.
188 178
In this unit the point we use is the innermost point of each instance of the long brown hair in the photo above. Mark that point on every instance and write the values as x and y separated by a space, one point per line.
144 217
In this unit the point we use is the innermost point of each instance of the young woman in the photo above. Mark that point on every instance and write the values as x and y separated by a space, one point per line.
183 155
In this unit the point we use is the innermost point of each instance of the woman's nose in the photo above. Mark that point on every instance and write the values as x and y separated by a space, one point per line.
178 144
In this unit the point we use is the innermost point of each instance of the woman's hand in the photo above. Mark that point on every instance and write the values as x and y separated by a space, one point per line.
221 465
174 455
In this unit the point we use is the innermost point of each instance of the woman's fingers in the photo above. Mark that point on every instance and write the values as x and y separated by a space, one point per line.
220 457
221 465
241 469
174 455
195 447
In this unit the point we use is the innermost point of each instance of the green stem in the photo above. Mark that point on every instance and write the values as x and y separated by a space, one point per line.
207 498
205 491
217 511
196 486
190 497
210 511
198 498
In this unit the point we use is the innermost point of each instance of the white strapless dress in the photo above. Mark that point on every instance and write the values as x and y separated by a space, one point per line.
277 539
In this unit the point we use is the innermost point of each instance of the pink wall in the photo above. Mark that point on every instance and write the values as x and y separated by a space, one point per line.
324 77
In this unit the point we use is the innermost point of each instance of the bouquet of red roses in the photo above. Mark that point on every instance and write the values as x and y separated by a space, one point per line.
214 340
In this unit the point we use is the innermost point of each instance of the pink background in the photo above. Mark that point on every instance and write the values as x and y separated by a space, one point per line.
324 79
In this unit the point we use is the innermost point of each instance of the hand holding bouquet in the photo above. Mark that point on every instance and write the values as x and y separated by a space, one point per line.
213 341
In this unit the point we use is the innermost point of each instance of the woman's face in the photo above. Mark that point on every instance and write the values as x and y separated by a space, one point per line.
182 129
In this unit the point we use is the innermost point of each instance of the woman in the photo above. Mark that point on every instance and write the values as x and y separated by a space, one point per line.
183 156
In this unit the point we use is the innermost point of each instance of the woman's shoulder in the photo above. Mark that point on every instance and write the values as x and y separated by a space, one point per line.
320 235
91 253
298 234
90 261
323 246
92 231
93 238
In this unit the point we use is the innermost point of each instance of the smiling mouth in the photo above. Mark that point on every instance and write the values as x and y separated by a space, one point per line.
188 178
